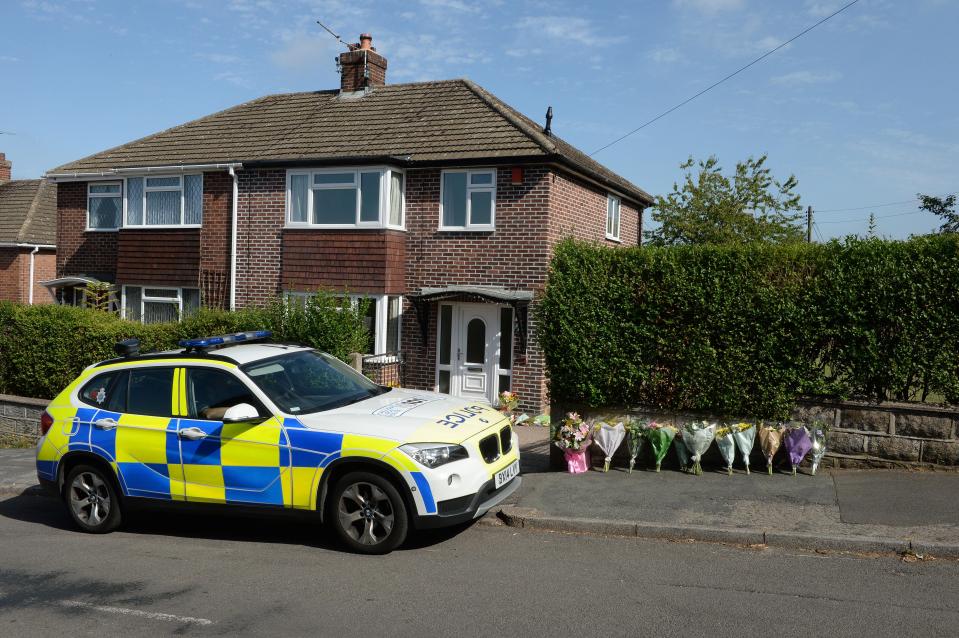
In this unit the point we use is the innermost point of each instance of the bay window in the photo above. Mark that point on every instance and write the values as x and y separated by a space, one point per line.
468 200
175 200
345 198
151 304
104 205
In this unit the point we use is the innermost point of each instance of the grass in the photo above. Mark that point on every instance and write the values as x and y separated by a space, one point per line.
8 440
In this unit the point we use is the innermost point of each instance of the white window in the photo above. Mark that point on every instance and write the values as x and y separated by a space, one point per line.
150 304
173 200
383 316
612 217
345 198
468 200
104 205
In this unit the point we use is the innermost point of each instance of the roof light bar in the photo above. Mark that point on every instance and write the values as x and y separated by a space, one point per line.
222 340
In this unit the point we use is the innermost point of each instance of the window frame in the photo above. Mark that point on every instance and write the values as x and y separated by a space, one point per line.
385 182
145 299
121 196
470 188
614 217
381 326
156 189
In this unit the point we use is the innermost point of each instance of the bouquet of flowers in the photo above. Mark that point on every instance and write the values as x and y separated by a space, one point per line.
697 436
770 437
542 419
819 433
573 433
797 443
745 436
572 436
682 453
507 404
635 435
608 438
727 446
660 436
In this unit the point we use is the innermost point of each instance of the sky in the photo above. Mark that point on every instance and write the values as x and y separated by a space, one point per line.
862 110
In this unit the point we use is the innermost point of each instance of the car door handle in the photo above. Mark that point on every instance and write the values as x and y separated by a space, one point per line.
105 424
192 434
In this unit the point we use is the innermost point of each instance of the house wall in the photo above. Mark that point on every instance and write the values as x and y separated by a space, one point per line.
578 210
160 256
15 274
361 261
214 263
82 252
10 274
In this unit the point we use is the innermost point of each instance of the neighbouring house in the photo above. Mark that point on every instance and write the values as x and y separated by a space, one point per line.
435 200
28 232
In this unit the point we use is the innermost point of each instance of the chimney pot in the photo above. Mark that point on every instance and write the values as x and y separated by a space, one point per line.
366 41
362 68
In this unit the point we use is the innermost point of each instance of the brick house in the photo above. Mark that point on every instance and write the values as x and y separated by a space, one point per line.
28 229
436 200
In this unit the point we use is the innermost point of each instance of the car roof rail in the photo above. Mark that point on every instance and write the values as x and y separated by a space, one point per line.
203 344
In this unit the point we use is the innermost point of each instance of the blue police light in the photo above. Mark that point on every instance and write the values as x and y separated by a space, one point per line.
222 340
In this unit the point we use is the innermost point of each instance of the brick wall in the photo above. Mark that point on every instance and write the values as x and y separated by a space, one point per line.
15 274
361 261
10 274
579 211
215 239
20 416
261 212
79 251
159 256
352 70
44 269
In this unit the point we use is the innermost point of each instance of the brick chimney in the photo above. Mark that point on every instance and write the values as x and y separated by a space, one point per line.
4 168
361 67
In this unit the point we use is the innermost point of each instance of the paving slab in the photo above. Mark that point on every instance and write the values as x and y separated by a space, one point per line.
902 499
18 469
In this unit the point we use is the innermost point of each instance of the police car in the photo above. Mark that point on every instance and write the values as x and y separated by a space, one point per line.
237 420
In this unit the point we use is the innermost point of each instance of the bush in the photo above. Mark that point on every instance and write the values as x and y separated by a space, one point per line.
43 348
747 329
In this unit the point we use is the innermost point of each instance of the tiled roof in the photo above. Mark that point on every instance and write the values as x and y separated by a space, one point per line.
28 212
428 122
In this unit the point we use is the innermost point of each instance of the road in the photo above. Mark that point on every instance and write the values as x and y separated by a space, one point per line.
190 574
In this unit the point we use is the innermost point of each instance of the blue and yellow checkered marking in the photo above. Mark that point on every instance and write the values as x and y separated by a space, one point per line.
425 492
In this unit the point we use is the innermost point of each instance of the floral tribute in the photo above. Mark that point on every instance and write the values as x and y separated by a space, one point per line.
573 437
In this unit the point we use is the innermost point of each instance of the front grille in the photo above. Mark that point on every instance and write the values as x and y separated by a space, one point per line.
489 448
506 439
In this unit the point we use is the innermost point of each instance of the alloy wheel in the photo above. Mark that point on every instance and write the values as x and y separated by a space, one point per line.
366 513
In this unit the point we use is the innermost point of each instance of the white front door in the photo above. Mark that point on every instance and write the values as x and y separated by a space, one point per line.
469 335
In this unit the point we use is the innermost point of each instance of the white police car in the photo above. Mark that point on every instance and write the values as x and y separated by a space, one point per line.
240 421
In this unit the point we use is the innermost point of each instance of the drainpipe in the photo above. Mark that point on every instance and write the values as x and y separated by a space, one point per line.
233 223
35 250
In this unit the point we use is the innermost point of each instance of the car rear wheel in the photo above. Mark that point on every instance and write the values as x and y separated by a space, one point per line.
368 513
92 500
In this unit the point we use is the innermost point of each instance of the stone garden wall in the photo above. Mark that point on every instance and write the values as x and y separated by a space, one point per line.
20 417
886 435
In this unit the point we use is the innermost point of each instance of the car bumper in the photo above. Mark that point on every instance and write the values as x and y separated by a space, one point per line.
466 508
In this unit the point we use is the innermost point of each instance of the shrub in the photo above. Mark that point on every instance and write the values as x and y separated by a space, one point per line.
748 329
43 348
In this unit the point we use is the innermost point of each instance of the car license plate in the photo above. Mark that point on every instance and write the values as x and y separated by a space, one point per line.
506 475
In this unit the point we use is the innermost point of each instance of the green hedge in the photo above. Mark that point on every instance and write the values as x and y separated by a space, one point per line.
43 348
745 330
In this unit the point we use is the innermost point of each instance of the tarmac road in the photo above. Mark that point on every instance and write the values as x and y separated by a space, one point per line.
192 574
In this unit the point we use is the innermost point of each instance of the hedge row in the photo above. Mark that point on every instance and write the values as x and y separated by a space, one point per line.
746 330
43 348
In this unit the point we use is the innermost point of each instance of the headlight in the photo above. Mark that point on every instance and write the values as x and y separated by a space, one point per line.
434 454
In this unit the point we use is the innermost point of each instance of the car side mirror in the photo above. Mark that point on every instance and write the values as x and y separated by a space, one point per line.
241 413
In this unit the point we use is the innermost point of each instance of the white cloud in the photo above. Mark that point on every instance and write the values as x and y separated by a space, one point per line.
711 6
9 58
302 50
455 5
219 58
664 55
233 78
798 78
568 29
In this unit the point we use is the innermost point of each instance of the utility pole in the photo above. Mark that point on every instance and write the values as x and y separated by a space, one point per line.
809 224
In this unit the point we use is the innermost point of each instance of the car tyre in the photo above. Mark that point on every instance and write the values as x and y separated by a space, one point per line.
367 513
92 500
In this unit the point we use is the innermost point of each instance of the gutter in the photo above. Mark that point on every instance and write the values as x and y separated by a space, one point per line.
33 253
233 234
111 172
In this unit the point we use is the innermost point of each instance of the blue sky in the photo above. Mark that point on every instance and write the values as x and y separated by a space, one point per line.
863 110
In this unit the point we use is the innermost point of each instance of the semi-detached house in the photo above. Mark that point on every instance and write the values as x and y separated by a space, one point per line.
436 200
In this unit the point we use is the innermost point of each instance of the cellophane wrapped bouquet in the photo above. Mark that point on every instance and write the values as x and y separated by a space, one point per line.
727 446
797 442
698 435
660 436
608 437
820 433
770 438
635 435
508 402
572 433
745 436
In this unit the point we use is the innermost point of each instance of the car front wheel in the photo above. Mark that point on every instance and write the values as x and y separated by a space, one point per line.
368 513
92 500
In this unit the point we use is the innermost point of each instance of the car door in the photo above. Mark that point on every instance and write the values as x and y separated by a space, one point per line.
143 432
246 462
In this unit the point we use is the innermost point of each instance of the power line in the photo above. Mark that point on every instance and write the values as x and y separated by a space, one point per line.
908 201
863 219
728 77
815 226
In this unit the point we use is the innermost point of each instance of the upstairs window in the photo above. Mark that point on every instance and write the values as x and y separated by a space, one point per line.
612 217
175 200
345 198
468 200
104 205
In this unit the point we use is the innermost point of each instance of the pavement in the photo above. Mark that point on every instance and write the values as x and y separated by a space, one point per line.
887 511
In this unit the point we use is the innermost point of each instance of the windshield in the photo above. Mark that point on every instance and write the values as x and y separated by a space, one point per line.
309 381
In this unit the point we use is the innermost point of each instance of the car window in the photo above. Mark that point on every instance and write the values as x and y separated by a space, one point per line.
106 391
150 391
310 381
210 392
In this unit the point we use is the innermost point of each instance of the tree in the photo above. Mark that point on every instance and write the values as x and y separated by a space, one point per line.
944 207
712 208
